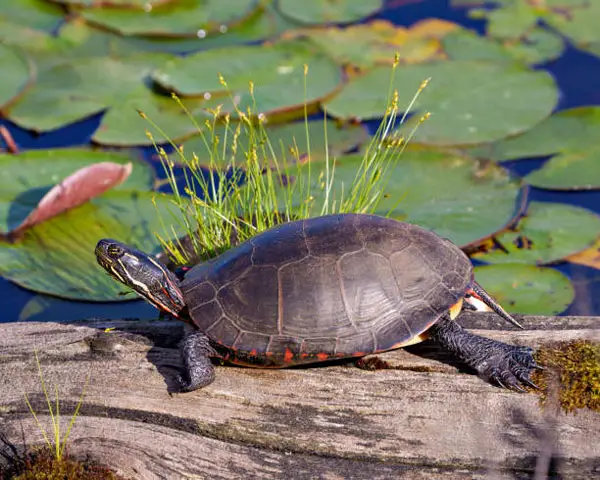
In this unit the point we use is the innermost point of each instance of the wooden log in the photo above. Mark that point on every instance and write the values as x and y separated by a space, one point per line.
423 417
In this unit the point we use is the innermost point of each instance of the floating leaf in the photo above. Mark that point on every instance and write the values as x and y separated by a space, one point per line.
549 233
276 71
16 74
491 102
452 195
328 11
373 43
35 14
57 257
535 47
526 289
69 92
123 126
513 19
78 188
589 257
569 171
26 177
141 4
579 24
573 130
291 138
184 18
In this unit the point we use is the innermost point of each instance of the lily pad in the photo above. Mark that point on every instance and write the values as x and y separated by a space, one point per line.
373 43
288 142
549 233
454 196
69 92
35 14
27 176
17 71
537 46
526 289
57 256
573 130
141 4
277 72
328 11
186 18
589 257
569 171
470 102
123 126
513 19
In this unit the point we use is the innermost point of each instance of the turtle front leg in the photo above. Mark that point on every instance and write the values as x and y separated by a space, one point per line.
507 365
195 350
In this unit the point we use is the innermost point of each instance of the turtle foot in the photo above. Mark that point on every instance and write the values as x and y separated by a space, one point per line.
195 352
508 366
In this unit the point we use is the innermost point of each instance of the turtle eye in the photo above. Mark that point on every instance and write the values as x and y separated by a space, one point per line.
114 251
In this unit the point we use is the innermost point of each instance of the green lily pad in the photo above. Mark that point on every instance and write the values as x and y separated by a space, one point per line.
549 233
579 24
69 92
512 19
27 176
328 11
141 4
123 126
57 257
189 18
17 71
526 289
277 72
573 130
373 43
470 102
452 195
35 14
288 142
537 46
569 171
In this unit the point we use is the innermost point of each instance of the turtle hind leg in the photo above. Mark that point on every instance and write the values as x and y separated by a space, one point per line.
507 365
195 350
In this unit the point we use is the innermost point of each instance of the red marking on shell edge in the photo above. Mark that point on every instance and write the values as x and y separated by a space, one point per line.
253 352
322 356
359 354
303 355
289 356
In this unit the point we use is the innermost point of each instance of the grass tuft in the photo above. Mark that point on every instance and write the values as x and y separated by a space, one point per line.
265 184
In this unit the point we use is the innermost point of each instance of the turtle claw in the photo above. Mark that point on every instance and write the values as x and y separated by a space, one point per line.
509 367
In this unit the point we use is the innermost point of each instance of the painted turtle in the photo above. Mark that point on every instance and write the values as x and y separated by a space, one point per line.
325 288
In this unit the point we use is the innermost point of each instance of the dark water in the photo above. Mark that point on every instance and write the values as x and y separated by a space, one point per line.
576 74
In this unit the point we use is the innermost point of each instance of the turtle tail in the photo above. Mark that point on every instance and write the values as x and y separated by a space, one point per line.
491 303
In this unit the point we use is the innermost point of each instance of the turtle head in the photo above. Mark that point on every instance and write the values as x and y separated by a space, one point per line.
141 273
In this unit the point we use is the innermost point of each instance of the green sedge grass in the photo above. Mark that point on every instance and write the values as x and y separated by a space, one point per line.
56 445
269 185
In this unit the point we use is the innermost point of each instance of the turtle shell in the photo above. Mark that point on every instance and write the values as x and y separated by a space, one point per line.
327 287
